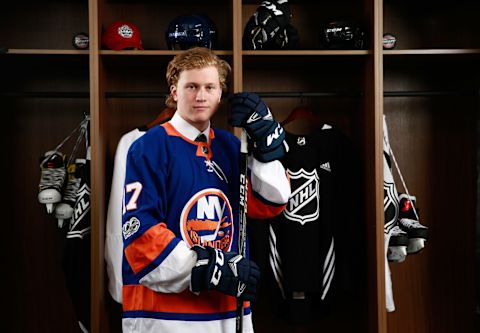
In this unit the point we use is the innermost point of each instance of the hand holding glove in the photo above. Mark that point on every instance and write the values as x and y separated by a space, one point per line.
250 112
227 272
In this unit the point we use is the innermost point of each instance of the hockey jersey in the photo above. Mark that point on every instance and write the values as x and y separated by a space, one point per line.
179 193
113 233
312 243
76 263
391 209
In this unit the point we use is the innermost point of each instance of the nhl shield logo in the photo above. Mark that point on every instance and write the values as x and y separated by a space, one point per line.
390 205
390 197
303 205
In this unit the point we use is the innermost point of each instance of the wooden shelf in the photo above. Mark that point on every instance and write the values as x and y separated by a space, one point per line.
154 52
46 51
307 52
430 51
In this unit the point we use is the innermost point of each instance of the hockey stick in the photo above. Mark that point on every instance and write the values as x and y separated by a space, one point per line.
242 222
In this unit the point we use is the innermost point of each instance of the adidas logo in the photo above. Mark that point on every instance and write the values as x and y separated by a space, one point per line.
326 166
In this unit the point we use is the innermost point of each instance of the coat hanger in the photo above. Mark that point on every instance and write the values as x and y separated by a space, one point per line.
301 112
301 120
164 116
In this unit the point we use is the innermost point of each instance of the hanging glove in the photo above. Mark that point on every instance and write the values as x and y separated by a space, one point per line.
250 112
227 272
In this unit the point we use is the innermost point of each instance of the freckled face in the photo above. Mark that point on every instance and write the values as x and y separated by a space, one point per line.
197 94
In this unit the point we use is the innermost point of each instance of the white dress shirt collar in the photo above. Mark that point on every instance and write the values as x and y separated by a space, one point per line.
186 129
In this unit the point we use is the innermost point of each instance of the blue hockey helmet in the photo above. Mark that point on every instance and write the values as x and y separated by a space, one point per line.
188 31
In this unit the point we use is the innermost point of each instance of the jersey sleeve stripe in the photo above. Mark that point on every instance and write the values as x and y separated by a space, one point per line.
258 209
146 248
141 298
184 318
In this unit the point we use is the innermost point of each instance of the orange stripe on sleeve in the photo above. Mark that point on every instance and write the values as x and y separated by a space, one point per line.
257 209
146 248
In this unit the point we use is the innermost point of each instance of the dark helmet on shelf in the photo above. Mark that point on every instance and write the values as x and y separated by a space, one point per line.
269 28
188 31
341 35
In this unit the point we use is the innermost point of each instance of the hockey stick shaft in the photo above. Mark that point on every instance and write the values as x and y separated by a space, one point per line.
242 222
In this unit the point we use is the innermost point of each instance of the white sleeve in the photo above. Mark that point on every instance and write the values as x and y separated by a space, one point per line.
113 233
174 273
390 303
269 180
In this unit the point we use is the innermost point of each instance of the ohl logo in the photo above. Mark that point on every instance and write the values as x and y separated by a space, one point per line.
207 220
303 204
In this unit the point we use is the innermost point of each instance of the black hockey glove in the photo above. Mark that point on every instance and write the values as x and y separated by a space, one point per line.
250 112
227 272
269 18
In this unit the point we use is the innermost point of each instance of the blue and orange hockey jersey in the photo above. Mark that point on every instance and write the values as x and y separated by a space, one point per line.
178 193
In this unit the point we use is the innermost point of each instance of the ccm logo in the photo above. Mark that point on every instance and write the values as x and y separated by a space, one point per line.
275 135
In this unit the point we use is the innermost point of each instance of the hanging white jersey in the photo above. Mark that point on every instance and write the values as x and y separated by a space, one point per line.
391 209
113 233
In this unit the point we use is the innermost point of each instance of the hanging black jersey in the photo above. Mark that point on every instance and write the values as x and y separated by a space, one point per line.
310 240
77 251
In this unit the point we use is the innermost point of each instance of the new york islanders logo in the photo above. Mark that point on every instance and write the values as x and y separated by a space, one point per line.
207 220
303 204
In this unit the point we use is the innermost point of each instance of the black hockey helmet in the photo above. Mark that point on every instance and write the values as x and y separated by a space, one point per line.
341 35
188 31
